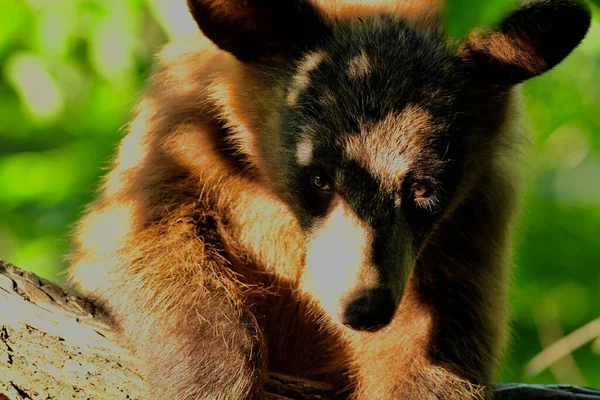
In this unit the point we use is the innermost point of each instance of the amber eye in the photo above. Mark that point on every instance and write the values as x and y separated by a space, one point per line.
316 191
421 192
321 182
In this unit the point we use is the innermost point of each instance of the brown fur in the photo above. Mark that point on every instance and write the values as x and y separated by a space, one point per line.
359 67
201 263
389 156
507 53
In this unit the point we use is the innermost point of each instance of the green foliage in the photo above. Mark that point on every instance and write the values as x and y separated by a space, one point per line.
596 10
463 15
71 69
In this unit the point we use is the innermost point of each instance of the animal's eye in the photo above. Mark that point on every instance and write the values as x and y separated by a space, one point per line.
320 182
316 191
422 192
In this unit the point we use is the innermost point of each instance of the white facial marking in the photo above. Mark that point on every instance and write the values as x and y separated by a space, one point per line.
338 257
359 67
301 79
304 151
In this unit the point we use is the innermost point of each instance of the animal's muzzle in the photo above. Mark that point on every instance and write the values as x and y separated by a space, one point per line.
369 310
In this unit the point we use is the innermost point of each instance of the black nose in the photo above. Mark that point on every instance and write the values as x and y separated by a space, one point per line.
370 311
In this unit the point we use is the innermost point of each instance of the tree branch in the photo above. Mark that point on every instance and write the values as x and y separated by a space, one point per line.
54 345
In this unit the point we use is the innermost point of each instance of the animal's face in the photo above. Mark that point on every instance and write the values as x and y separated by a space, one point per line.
380 127
373 158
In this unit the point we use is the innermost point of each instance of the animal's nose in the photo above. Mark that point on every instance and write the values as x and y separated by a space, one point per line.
370 310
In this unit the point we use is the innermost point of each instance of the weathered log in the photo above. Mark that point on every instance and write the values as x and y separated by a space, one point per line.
54 345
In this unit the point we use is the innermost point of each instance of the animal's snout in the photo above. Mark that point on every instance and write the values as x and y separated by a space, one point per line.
370 310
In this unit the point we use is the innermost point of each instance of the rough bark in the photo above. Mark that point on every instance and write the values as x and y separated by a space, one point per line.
54 345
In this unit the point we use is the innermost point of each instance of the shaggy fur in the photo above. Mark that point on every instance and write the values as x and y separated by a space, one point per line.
322 190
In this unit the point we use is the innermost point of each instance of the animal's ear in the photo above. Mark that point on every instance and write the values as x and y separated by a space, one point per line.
251 29
529 42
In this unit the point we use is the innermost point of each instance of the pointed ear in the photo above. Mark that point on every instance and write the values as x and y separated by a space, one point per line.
251 29
531 41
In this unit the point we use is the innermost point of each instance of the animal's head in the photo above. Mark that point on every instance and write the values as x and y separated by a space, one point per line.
378 124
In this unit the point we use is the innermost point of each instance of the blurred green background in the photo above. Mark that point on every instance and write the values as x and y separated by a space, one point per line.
71 69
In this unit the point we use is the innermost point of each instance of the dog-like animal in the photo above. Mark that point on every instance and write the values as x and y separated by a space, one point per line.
322 189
